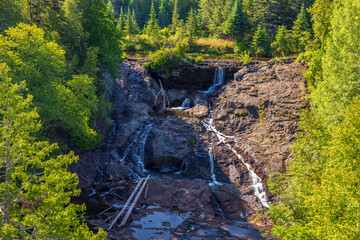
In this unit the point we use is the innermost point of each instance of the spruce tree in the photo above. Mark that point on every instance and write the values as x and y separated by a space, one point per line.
121 22
36 189
280 12
300 32
191 25
236 22
261 42
152 26
282 43
110 8
163 18
175 17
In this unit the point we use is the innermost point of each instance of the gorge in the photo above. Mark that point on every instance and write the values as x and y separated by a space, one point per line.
209 160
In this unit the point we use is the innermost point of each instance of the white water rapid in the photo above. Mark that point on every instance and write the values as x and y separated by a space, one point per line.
257 185
218 80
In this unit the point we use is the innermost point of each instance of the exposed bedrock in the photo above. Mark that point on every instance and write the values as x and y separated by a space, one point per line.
259 106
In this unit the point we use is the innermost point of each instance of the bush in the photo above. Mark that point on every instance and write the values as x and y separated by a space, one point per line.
198 59
166 58
244 58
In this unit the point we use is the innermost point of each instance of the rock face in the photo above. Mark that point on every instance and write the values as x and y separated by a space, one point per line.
258 107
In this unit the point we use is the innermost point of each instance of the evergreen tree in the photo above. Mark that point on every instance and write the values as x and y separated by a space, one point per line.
110 8
256 11
280 12
212 17
163 18
135 25
282 43
191 25
236 22
36 189
152 27
301 32
131 27
321 13
102 34
121 22
261 42
175 17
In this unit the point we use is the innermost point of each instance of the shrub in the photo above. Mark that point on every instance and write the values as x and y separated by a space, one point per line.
244 58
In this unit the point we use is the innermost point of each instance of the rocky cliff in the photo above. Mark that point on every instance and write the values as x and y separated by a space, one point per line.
258 108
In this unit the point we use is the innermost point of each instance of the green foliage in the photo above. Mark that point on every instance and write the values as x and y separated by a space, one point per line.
42 65
280 12
12 12
300 32
261 42
340 65
175 17
321 13
152 27
236 22
320 195
166 58
282 43
36 189
131 26
102 33
192 26
120 26
244 58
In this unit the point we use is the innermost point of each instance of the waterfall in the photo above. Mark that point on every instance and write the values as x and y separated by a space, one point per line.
259 190
218 80
138 152
184 105
137 147
211 157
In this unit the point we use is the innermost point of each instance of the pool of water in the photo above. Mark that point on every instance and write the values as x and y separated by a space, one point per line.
162 224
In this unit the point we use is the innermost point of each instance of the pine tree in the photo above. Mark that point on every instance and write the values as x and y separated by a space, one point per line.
280 12
261 42
121 22
152 27
175 17
110 8
163 18
191 25
301 32
282 43
135 26
35 190
236 22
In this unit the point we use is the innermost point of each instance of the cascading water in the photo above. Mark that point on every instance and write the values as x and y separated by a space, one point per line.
256 181
219 78
211 157
259 190
185 105
138 152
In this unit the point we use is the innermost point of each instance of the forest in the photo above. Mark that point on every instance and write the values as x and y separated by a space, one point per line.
57 62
